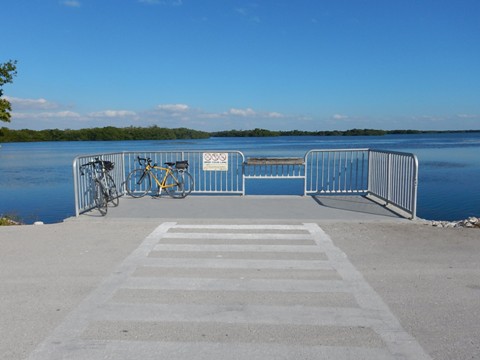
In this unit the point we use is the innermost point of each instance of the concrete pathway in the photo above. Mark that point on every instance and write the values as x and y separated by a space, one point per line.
232 291
240 277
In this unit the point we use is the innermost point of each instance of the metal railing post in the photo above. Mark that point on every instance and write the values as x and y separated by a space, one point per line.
75 186
389 178
415 187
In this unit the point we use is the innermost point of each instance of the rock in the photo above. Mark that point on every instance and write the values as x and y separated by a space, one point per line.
471 222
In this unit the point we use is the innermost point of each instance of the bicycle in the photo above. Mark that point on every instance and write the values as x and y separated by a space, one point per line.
103 186
176 181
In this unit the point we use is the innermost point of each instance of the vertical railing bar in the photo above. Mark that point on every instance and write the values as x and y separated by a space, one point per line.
350 171
389 180
340 170
372 169
323 171
328 178
361 157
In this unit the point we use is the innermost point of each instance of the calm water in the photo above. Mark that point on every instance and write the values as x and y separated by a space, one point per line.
36 178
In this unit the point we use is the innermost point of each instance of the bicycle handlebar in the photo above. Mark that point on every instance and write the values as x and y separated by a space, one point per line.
143 161
106 165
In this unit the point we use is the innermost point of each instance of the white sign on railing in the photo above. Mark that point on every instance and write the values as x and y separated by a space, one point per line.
215 161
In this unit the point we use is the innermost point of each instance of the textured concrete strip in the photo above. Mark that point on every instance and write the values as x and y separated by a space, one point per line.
257 229
234 236
199 297
264 242
128 350
236 284
250 255
397 340
232 248
240 314
240 273
221 332
219 263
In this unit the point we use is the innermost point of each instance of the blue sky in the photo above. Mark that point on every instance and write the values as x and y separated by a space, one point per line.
231 64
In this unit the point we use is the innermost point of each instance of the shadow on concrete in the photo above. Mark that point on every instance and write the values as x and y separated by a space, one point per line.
357 204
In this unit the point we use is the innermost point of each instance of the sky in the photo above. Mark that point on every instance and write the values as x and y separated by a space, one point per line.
242 64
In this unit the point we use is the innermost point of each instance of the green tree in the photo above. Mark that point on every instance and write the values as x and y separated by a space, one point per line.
7 71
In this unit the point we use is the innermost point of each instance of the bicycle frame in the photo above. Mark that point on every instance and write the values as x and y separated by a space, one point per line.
161 184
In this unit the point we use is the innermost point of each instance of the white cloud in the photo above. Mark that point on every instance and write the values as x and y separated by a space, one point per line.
339 117
246 12
241 11
46 115
112 113
274 115
249 112
173 107
151 2
72 3
162 2
24 104
242 112
468 116
428 118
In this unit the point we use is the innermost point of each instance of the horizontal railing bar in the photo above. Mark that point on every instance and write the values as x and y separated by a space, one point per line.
274 161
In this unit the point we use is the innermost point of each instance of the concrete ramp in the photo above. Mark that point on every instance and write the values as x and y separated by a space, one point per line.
264 291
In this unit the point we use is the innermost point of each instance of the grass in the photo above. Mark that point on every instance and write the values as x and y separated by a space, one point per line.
7 220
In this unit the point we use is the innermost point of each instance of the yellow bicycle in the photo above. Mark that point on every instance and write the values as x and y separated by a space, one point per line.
176 180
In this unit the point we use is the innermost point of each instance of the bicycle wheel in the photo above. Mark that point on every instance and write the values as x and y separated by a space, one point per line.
139 182
178 184
101 198
113 196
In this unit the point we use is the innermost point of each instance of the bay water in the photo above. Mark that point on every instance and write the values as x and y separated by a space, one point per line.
36 182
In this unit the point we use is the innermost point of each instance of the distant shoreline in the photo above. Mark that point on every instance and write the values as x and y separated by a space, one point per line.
110 133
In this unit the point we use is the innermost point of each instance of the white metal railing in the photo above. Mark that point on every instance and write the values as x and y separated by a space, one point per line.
341 171
389 176
83 185
393 177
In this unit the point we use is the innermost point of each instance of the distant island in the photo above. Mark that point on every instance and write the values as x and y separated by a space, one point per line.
110 133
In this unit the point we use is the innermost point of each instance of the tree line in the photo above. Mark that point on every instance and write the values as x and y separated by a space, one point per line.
351 132
264 133
110 133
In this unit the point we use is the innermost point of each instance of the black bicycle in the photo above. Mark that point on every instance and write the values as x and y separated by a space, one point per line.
103 187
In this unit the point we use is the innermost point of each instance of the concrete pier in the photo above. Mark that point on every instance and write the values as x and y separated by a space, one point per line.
240 278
